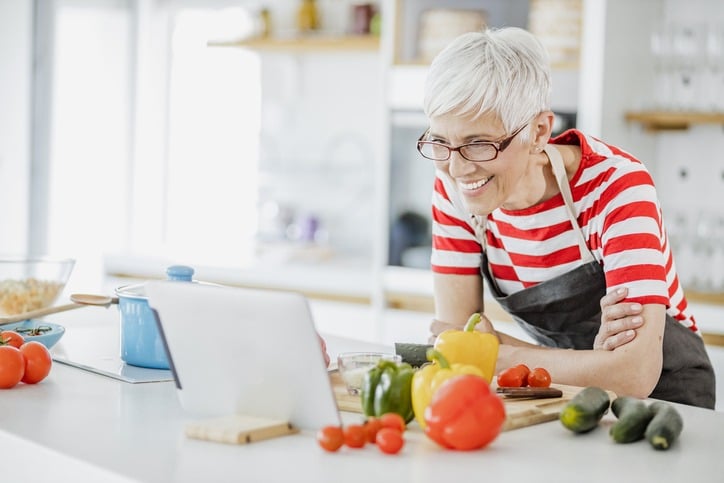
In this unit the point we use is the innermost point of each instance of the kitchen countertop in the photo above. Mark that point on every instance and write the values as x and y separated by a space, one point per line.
80 426
353 281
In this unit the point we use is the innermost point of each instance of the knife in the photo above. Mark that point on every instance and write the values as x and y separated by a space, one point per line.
529 392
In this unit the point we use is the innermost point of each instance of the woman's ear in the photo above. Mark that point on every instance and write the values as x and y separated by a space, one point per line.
543 127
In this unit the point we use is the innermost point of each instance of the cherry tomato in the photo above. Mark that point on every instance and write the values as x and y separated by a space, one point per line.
10 337
516 376
12 366
393 420
539 377
372 425
355 435
390 440
37 362
330 438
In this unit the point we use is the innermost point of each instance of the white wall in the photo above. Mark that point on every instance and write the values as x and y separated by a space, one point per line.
320 141
15 108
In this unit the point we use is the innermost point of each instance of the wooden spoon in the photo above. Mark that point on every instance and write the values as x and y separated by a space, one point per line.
79 300
9 319
91 299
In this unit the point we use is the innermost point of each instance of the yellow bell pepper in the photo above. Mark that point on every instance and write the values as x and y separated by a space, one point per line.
466 346
430 377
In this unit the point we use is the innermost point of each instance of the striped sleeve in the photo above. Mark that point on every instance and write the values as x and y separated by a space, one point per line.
455 248
632 236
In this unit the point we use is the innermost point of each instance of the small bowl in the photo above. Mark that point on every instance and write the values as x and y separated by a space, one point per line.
32 283
38 330
353 366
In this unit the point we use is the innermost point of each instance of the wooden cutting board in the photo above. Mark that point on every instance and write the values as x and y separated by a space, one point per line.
519 412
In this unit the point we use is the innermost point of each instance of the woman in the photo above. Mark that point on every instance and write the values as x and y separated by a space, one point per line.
567 232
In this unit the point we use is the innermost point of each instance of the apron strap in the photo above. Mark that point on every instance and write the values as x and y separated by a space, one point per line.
559 171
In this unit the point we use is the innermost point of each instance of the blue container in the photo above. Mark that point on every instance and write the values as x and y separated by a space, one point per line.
141 343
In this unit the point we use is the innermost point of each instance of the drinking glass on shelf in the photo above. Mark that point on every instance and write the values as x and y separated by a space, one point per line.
688 47
662 51
679 234
717 259
708 249
714 67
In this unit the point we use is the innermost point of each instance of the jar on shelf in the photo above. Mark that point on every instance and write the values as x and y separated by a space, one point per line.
265 23
307 16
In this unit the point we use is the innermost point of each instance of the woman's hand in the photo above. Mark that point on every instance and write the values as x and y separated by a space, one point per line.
438 326
324 350
618 321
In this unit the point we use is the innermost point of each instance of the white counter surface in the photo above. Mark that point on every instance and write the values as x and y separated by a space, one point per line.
81 426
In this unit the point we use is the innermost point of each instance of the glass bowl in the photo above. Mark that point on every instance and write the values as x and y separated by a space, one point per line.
32 283
353 366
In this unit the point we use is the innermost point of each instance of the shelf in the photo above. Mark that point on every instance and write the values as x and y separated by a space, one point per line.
311 43
711 298
673 121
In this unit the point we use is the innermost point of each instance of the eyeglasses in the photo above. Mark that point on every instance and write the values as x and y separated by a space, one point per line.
476 152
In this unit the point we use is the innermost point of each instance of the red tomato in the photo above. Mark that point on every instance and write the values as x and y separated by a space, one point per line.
12 366
389 440
516 376
372 426
539 377
393 420
355 436
10 337
330 438
37 362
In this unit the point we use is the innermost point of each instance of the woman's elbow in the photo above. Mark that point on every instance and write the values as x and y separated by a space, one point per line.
641 382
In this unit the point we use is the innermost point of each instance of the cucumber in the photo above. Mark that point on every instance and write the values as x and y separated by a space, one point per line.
665 427
633 418
585 410
413 354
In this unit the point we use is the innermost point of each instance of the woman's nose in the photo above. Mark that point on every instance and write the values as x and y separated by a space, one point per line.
458 166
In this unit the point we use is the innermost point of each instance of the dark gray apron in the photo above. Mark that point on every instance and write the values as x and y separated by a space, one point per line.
565 312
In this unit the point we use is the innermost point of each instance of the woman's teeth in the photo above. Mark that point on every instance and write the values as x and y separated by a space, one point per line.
474 185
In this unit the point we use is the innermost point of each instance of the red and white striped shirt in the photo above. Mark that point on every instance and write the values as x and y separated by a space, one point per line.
617 210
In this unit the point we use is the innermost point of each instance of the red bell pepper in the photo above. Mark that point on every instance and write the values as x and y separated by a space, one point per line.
464 414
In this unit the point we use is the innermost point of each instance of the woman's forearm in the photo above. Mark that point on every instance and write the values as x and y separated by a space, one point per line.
606 369
632 369
508 339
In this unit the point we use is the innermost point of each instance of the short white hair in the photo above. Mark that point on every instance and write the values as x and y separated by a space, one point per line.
501 71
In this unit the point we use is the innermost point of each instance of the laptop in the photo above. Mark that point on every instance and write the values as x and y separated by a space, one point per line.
241 351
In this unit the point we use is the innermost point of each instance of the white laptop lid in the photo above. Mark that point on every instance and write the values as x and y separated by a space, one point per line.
244 351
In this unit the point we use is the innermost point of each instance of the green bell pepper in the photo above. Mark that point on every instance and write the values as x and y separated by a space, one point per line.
387 388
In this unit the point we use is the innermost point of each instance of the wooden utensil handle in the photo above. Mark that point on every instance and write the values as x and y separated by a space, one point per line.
38 313
530 392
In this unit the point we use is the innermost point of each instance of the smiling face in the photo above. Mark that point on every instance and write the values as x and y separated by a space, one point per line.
515 179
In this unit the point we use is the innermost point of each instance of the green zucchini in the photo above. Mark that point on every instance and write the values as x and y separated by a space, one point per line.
413 354
585 410
633 418
665 426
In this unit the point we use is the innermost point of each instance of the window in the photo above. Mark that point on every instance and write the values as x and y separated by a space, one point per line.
152 138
